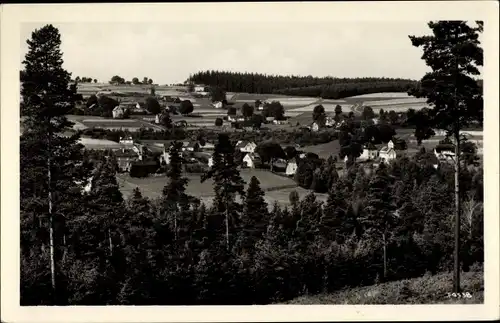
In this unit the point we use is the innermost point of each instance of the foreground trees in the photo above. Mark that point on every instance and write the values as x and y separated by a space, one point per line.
454 54
51 164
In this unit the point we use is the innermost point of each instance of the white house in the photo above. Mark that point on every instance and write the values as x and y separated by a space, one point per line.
250 160
217 105
211 161
246 146
157 119
280 122
315 126
165 157
330 122
118 112
291 168
445 152
126 140
388 153
369 152
199 88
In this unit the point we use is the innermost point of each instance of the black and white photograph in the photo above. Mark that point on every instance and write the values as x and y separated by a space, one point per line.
210 155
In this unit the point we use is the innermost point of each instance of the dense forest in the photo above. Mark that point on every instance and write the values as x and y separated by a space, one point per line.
326 87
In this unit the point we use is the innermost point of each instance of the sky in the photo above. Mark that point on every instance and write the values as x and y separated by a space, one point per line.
170 52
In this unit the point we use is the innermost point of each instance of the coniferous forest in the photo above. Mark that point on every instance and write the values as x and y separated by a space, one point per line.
325 87
98 248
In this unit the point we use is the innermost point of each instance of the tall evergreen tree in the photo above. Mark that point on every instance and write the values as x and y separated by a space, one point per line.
334 223
176 201
379 216
255 216
454 54
51 163
228 184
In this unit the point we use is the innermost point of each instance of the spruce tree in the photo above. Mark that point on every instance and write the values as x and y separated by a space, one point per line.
228 184
255 216
176 201
107 206
51 164
379 218
334 223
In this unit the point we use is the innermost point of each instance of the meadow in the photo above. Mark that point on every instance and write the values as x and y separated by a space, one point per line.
277 188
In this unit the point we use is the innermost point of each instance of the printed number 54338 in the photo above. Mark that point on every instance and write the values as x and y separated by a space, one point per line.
459 295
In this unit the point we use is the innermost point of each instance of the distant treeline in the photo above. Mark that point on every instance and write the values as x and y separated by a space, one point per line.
326 87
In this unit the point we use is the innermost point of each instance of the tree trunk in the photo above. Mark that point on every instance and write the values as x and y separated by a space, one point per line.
227 226
175 226
456 282
385 255
110 243
51 226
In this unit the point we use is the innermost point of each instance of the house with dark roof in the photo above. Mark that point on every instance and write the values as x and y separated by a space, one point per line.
445 152
369 152
246 146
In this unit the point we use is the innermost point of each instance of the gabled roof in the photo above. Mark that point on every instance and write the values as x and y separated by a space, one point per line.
243 143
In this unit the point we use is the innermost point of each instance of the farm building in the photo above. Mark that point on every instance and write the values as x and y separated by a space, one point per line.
124 158
126 141
315 126
246 146
291 167
218 105
445 152
251 160
210 161
280 122
118 112
369 152
388 153
199 88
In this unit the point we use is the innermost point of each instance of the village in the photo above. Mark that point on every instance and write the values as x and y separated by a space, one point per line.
227 187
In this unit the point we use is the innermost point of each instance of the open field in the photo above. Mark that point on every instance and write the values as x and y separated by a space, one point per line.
382 95
324 150
329 107
422 290
277 188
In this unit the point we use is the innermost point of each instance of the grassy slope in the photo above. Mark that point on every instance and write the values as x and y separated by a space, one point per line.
423 290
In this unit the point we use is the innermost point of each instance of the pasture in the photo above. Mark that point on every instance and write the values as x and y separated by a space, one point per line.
277 188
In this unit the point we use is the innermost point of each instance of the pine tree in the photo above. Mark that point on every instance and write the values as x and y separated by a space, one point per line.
308 225
51 164
107 205
454 54
227 184
379 218
334 224
176 201
255 217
